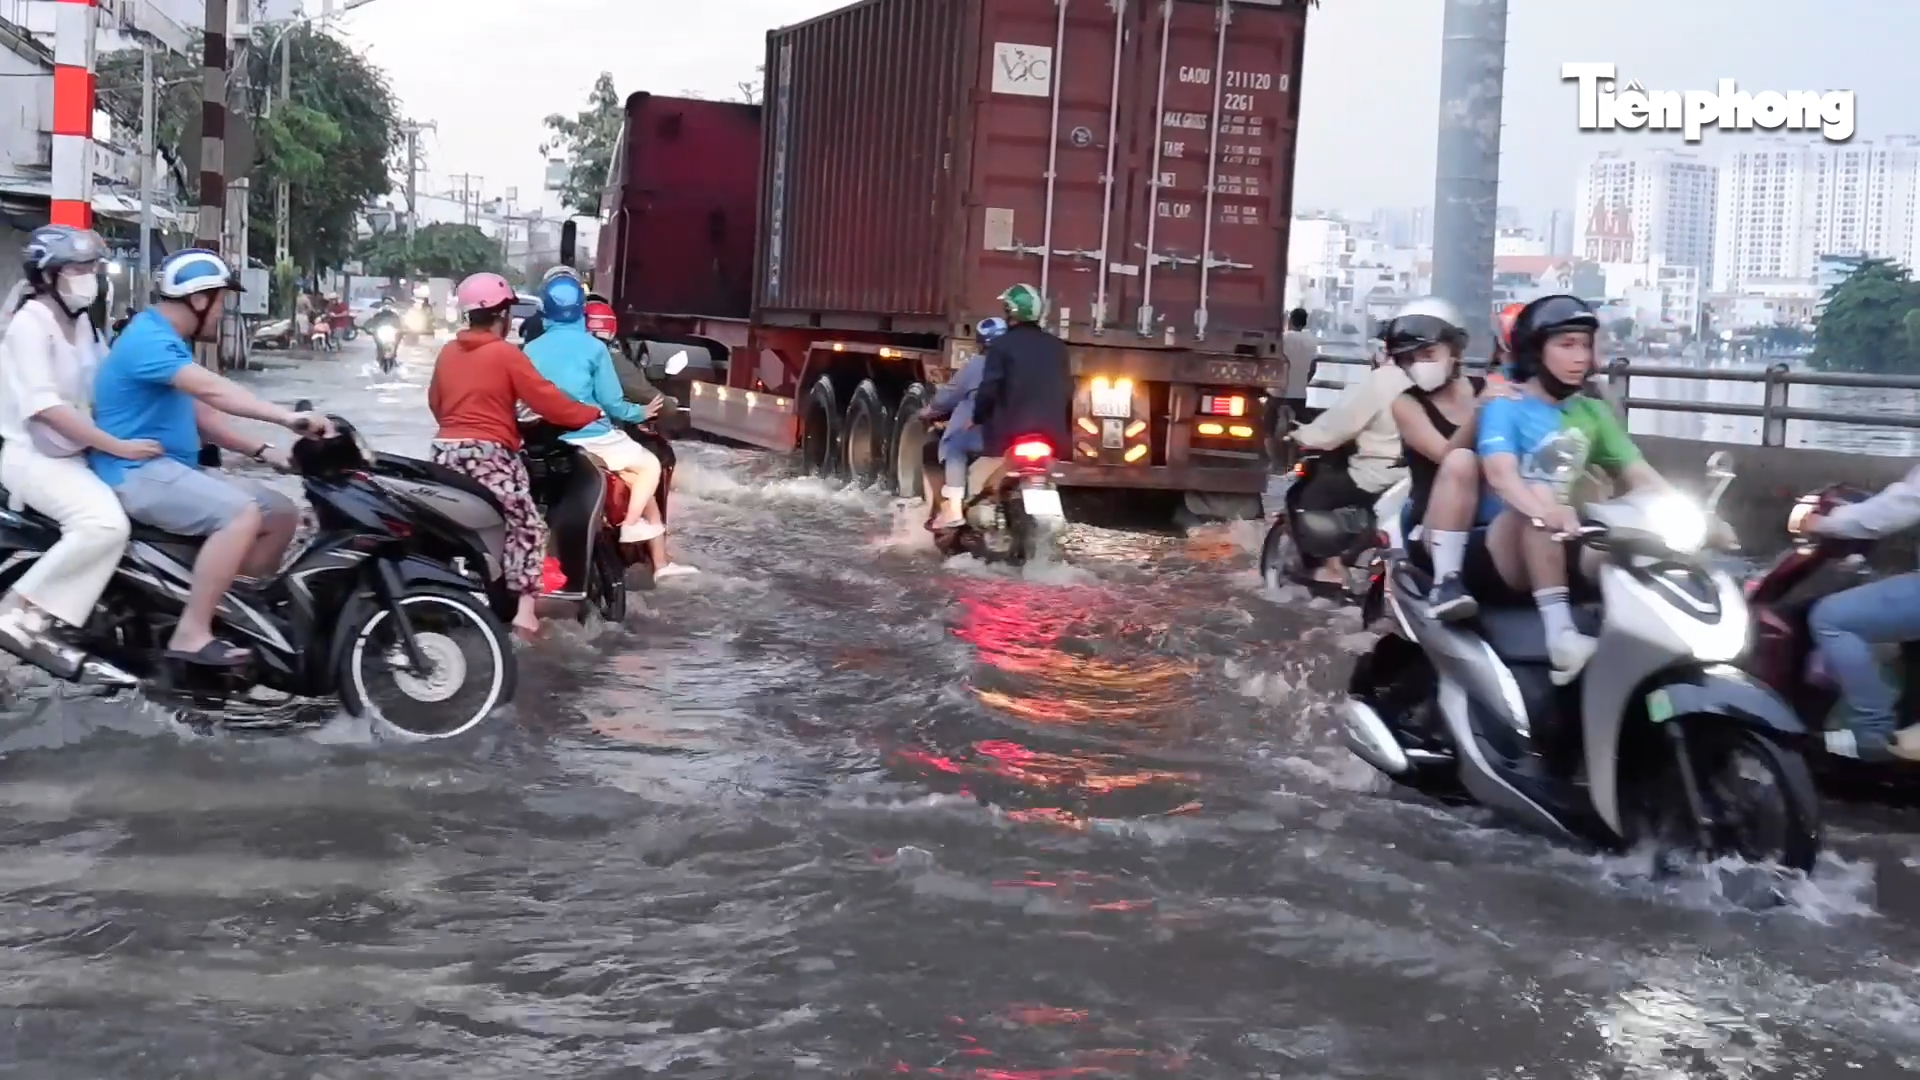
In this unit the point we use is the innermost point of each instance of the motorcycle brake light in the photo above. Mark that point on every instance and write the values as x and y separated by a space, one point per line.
1031 450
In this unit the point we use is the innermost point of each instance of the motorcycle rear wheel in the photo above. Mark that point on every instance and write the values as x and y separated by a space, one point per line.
473 667
606 583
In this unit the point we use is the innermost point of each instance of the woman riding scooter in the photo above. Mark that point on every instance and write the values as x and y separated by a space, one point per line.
478 381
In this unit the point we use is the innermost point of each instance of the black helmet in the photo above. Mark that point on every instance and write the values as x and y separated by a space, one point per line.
1423 322
1540 320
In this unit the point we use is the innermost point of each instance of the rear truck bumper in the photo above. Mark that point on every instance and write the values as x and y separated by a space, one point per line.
1244 481
754 418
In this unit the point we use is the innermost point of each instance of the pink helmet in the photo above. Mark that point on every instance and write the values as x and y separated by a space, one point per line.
483 292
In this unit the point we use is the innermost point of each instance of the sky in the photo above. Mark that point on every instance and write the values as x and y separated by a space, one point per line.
488 71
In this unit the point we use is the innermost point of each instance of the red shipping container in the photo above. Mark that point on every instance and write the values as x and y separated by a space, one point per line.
681 197
1133 159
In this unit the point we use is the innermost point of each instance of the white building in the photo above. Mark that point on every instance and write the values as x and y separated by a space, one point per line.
1784 203
1647 206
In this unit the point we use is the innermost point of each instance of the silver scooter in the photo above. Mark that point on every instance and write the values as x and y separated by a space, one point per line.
1656 740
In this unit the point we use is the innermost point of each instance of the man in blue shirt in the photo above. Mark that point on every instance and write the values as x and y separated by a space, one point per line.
954 403
148 387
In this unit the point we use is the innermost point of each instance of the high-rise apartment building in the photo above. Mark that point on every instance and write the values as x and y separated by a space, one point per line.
1648 207
1785 203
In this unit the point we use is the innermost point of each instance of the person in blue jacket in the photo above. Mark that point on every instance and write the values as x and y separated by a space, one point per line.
579 364
954 404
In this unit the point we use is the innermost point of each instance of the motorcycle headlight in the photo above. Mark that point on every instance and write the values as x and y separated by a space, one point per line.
1680 524
386 335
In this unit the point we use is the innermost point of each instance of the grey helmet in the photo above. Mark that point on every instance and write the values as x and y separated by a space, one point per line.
51 247
1423 322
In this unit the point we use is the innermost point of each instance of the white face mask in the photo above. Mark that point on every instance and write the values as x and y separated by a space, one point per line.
79 293
1430 375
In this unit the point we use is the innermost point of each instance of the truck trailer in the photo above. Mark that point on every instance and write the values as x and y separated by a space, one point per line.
830 250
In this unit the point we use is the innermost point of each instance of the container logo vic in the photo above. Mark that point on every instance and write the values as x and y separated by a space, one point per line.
1604 106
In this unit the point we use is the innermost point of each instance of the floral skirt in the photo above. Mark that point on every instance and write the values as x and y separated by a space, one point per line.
501 471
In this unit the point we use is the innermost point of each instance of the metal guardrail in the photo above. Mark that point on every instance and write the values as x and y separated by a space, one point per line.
1773 411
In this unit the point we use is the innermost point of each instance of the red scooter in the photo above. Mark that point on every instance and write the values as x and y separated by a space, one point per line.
1782 652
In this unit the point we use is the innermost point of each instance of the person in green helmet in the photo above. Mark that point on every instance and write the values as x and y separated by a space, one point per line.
1026 388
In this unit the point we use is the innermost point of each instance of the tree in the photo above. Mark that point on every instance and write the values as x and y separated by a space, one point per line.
333 142
586 142
438 250
1865 322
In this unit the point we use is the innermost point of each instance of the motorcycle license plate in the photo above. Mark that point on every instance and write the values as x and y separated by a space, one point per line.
1041 503
1112 434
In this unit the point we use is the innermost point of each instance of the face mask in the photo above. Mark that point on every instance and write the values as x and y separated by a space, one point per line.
1430 375
77 294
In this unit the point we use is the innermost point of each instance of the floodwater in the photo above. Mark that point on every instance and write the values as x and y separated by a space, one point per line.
836 810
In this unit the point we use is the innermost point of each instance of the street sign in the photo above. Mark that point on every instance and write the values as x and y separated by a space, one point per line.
258 282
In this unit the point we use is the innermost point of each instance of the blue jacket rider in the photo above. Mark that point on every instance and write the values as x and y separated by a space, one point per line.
569 357
961 440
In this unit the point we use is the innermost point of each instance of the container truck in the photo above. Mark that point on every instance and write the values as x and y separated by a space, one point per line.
829 251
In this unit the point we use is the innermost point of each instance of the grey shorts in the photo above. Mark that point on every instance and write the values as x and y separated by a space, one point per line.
166 495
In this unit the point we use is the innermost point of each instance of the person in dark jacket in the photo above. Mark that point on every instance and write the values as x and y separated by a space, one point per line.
1027 387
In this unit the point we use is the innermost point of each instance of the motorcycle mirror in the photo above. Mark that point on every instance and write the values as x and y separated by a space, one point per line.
303 405
1720 471
677 363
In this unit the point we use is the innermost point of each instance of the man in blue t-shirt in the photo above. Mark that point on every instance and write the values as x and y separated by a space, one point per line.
148 387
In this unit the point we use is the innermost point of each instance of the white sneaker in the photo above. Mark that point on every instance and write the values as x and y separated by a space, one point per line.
674 570
1569 653
951 516
639 532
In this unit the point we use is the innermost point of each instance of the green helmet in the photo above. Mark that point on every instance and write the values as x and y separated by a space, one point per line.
1024 304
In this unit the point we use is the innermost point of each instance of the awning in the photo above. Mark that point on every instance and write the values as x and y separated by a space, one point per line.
107 203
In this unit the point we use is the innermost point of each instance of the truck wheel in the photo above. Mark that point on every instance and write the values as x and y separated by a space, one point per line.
820 431
868 433
909 440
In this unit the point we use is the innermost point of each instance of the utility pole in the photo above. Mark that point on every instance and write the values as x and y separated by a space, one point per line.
1466 191
213 131
143 278
412 129
469 190
282 196
73 103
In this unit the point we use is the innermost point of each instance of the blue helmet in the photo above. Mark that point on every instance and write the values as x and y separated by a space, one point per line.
988 329
563 300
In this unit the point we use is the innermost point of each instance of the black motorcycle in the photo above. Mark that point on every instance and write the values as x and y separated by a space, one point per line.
1301 539
362 613
584 505
1017 517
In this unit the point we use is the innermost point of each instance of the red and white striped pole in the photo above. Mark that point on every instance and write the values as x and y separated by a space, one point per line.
73 100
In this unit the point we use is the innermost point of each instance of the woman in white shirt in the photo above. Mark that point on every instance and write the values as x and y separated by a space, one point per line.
47 361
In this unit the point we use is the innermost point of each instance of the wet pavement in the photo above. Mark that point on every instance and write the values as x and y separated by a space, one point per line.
836 810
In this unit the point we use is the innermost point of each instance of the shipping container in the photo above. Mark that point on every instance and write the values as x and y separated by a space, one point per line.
1134 160
679 209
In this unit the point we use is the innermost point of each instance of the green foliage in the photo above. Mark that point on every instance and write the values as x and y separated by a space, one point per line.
333 142
1868 322
586 142
439 250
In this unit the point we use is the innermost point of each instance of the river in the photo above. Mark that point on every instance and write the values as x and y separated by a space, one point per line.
834 810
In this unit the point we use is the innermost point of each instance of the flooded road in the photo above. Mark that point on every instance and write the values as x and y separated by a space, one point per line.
834 810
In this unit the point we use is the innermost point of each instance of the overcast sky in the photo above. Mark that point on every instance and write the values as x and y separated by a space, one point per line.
489 70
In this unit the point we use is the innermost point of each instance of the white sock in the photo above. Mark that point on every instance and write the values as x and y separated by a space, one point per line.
1449 551
1554 611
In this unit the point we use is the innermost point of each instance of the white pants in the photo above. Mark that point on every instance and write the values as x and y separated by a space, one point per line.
69 578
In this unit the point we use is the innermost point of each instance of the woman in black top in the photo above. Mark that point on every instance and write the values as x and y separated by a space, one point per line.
1428 339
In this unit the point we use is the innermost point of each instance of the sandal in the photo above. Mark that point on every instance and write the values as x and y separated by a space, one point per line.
215 653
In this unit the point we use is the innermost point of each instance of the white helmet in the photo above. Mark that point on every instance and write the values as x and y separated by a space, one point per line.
1426 321
191 271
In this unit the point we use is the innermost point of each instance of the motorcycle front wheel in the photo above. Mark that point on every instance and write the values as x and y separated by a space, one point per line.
470 672
1758 793
1279 556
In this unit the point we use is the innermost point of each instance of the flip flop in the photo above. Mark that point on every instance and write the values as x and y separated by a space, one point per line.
215 654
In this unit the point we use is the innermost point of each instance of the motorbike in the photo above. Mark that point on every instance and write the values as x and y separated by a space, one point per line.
361 613
1782 656
386 347
320 337
277 334
1299 539
416 324
1653 742
1017 517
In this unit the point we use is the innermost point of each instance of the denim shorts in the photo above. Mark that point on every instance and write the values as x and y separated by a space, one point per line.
167 495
